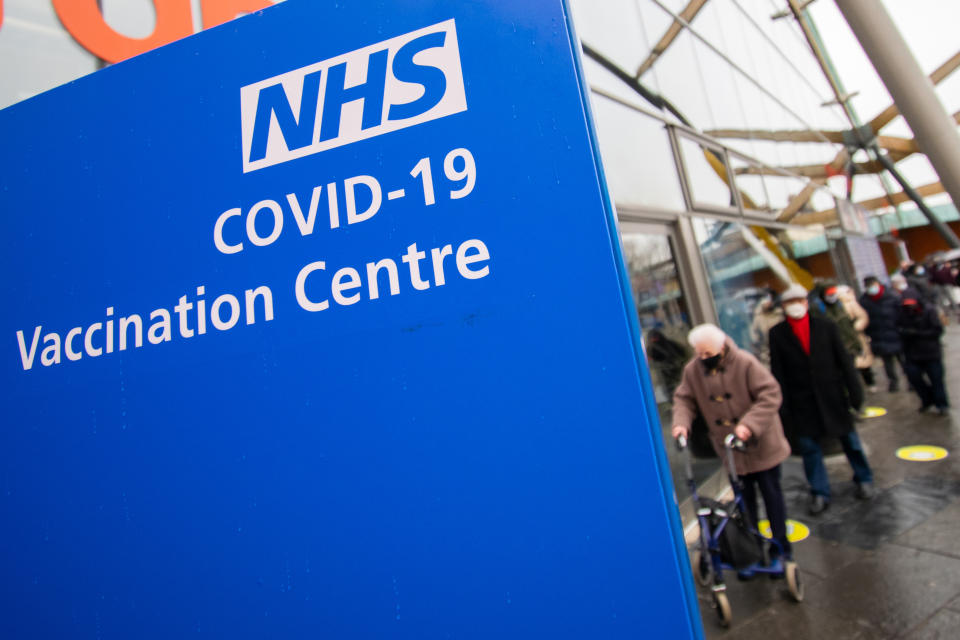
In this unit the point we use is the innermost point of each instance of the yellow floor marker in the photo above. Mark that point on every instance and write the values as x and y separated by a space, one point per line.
796 531
873 412
922 453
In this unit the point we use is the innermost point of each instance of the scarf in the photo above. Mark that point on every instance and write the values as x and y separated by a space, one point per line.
801 329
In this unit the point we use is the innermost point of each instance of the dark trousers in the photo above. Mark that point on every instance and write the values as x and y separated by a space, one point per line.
769 484
926 377
816 470
890 361
867 375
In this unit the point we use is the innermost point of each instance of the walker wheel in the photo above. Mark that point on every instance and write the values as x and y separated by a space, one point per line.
793 580
722 605
702 568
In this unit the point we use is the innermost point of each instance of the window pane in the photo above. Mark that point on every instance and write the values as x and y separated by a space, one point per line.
636 158
705 174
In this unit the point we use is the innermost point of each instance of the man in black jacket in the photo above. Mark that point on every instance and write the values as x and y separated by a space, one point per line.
883 308
920 329
821 392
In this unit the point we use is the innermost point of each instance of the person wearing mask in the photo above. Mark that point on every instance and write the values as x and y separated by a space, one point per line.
882 308
766 314
902 288
821 394
737 395
918 277
837 313
920 328
842 307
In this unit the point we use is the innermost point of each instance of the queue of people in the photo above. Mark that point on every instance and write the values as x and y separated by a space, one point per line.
936 281
803 383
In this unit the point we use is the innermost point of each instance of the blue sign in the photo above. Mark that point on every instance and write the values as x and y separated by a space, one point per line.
316 325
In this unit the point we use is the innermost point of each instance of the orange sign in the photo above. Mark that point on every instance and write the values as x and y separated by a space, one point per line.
84 21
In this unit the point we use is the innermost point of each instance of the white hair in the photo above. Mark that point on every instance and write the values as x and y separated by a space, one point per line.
707 334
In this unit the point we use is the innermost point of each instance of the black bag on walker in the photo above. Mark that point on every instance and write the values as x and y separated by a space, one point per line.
739 546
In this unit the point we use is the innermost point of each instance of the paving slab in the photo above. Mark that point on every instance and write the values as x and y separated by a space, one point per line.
748 601
821 558
894 589
890 513
944 625
790 621
954 605
939 534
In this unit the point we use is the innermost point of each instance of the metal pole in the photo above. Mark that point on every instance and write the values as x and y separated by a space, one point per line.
820 51
912 91
935 222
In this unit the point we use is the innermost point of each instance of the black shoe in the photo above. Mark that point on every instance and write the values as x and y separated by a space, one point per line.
865 490
818 504
943 411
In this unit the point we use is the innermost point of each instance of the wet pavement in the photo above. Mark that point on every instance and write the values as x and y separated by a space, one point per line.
880 569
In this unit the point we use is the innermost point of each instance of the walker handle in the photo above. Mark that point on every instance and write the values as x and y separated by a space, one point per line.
733 442
681 443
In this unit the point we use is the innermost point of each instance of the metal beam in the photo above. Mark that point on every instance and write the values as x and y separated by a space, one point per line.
827 215
796 202
783 135
812 171
891 143
945 231
858 136
884 118
673 31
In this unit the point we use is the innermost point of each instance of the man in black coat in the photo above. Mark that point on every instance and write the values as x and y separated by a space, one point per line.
919 278
920 328
821 393
883 307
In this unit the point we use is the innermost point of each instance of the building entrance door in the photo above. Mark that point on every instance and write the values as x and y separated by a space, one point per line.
666 314
662 309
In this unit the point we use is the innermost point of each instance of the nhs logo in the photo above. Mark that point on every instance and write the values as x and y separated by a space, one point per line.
384 87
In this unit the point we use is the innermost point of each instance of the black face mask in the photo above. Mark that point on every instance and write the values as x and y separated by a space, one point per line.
711 363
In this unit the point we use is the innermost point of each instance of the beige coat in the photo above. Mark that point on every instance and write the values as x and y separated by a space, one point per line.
860 321
763 321
739 391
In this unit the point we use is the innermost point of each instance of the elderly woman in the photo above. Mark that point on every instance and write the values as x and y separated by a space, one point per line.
736 394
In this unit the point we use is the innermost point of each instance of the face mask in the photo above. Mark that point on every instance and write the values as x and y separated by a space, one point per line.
873 290
830 299
710 363
899 286
795 310
920 271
